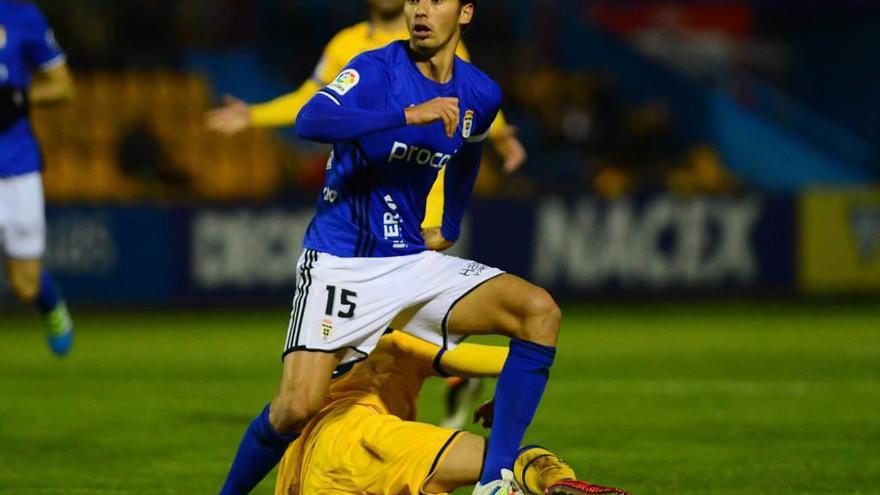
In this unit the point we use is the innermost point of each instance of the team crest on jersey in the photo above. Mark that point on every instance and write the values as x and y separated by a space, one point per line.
346 80
2 37
468 125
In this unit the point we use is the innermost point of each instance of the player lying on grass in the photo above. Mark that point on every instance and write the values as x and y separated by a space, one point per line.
365 440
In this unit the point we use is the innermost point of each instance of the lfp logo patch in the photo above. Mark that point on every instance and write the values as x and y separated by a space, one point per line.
2 37
467 126
346 80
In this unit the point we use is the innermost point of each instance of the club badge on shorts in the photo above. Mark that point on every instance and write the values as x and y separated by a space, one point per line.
468 125
326 329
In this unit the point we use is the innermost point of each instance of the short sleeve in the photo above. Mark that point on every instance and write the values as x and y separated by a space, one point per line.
362 84
41 50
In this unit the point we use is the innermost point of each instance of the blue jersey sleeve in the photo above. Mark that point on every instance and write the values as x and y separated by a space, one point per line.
461 174
362 84
350 107
40 48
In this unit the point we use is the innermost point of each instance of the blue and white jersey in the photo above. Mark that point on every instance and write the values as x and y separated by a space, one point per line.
376 185
27 43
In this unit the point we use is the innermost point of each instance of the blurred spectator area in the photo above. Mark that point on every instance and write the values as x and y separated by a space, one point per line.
608 97
586 137
140 135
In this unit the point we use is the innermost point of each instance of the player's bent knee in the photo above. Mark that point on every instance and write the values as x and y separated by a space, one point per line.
289 414
545 316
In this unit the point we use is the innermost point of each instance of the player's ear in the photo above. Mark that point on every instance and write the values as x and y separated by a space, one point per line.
466 15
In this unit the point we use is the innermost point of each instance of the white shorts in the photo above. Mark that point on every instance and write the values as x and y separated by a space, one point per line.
348 303
22 217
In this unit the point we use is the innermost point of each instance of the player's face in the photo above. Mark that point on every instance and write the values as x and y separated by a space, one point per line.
433 23
386 9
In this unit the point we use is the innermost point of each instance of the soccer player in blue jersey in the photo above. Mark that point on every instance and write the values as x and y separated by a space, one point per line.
33 72
395 116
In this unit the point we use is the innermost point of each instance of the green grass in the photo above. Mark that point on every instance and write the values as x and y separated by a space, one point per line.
661 399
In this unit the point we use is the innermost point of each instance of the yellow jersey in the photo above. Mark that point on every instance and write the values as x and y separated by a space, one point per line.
364 439
347 44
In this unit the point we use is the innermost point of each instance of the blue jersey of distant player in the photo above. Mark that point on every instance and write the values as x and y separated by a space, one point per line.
26 44
376 187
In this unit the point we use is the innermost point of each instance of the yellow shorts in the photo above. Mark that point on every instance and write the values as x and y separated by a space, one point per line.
356 450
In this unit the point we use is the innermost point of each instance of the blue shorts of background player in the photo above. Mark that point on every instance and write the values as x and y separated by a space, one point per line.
33 71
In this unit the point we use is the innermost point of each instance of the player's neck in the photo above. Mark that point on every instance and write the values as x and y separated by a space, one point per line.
388 25
436 65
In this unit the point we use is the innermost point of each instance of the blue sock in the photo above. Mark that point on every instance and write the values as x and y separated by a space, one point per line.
517 395
261 449
49 295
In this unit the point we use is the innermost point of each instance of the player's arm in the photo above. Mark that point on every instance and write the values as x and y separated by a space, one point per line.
283 110
507 144
471 361
235 115
325 119
434 239
461 174
501 134
465 360
52 82
52 85
353 107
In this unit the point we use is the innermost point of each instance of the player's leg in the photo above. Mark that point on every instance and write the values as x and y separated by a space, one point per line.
339 313
31 284
24 237
529 316
459 466
304 384
24 279
537 470
510 306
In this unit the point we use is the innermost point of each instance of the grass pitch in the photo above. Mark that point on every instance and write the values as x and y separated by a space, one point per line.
688 399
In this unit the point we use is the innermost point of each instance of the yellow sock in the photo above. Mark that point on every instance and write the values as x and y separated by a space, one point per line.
536 468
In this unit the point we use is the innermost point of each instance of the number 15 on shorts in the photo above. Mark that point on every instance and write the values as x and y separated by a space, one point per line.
347 303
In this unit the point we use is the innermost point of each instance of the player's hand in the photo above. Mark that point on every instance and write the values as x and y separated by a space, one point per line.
483 414
511 150
434 239
442 109
233 117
